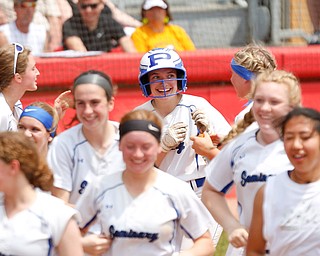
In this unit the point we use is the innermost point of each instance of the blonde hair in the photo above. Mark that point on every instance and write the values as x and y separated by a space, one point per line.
16 146
7 63
255 58
281 77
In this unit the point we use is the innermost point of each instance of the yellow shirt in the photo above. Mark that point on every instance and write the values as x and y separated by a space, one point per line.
174 36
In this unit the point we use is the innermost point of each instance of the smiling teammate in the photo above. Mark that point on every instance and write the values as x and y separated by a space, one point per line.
163 78
88 149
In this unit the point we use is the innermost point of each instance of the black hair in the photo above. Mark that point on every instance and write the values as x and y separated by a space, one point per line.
310 113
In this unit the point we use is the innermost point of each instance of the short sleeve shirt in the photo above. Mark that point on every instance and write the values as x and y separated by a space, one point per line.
103 38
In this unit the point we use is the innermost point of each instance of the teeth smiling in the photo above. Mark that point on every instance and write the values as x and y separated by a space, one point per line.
161 90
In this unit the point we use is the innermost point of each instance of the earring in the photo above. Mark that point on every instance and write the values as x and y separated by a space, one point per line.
145 21
166 20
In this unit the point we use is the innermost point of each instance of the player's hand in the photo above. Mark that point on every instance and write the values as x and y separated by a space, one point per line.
204 146
238 237
63 102
173 136
96 245
200 120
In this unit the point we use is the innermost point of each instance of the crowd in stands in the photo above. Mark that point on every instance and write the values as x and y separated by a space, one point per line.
98 25
89 25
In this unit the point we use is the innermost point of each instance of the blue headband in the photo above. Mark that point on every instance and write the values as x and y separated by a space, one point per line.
241 71
140 125
41 115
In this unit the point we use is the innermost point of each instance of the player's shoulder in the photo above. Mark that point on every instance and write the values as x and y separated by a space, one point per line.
197 101
47 202
68 138
106 183
246 136
109 180
70 133
146 105
171 185
190 97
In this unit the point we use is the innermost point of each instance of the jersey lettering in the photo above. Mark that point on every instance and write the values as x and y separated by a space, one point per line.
154 58
253 178
133 234
83 186
180 148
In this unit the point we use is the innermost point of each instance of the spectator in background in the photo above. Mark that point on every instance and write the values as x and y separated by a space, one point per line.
69 7
23 30
92 29
314 12
47 13
157 32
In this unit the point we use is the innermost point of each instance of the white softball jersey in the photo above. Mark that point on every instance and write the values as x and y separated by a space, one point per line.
291 220
75 162
183 162
9 119
247 164
36 230
151 224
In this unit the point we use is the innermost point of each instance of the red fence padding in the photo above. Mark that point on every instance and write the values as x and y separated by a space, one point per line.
203 66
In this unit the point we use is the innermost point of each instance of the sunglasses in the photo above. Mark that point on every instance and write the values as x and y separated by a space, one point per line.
86 6
27 4
18 48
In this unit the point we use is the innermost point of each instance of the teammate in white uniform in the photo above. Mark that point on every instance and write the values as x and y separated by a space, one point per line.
39 121
249 159
18 74
163 78
90 148
32 222
143 210
286 209
246 64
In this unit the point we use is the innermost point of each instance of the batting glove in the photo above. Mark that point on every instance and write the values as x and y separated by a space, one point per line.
173 136
200 120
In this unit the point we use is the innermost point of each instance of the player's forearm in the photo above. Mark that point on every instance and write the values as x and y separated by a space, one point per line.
202 246
219 209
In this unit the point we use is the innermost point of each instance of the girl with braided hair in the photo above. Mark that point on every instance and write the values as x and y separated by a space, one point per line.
246 64
250 158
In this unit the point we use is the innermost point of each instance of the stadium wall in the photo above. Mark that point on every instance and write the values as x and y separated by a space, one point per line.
208 76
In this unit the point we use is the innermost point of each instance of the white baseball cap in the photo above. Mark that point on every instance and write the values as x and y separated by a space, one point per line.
154 3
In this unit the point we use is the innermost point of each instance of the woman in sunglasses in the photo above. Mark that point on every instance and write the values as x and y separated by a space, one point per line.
18 74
